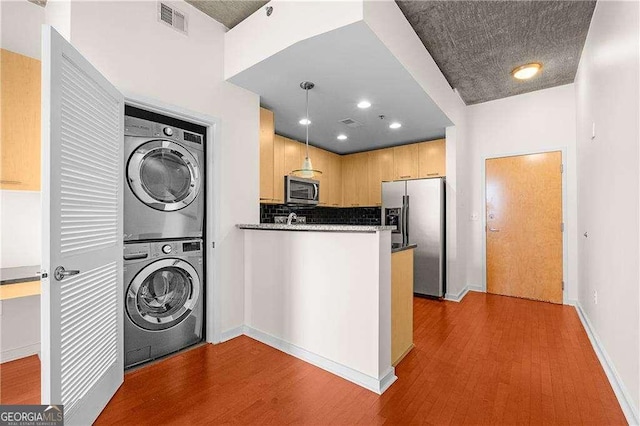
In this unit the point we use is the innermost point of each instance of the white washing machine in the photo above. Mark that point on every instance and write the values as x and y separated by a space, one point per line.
164 189
164 293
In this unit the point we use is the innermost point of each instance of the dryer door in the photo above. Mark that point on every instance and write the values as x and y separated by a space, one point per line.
164 175
163 294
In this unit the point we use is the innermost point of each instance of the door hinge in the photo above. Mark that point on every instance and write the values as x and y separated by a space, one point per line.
562 227
562 285
213 244
561 168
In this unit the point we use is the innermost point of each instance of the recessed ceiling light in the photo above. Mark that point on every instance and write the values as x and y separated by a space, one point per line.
305 122
364 104
527 71
395 125
342 137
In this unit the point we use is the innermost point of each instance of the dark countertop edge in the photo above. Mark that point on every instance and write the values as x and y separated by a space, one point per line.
313 227
20 280
403 248
20 274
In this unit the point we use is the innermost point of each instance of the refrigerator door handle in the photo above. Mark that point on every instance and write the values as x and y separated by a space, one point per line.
405 220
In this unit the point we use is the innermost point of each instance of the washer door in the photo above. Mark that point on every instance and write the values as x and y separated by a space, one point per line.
163 294
164 175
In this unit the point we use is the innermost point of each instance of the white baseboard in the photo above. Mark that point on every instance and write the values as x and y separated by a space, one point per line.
622 394
21 352
458 297
231 334
375 385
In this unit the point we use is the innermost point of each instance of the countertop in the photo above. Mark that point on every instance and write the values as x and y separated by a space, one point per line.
19 274
315 227
403 248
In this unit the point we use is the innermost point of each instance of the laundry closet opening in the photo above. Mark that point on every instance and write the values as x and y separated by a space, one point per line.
164 234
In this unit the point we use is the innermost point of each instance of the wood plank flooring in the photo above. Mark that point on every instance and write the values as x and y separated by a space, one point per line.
487 360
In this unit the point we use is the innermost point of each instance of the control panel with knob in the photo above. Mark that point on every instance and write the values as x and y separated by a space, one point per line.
166 249
168 131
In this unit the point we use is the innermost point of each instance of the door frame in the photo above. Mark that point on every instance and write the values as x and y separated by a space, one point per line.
213 182
565 234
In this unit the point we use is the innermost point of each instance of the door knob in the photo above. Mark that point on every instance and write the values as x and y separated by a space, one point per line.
60 273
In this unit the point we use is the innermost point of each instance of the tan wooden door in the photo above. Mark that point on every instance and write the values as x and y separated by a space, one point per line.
524 226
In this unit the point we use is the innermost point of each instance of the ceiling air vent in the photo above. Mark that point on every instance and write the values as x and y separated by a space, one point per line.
172 17
350 122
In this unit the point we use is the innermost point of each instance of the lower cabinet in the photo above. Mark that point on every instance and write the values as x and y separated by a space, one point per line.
401 304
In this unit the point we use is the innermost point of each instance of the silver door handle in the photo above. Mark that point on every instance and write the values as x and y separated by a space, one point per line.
494 230
60 273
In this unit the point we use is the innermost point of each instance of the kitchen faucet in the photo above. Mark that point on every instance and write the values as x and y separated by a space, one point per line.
291 217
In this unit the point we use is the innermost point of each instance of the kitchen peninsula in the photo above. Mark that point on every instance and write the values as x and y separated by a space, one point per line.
322 293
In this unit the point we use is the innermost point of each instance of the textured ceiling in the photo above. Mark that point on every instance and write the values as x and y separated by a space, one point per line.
229 13
476 44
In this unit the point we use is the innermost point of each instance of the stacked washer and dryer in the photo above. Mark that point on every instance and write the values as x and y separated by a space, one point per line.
164 210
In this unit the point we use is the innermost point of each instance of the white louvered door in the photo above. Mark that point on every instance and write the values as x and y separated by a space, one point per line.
82 143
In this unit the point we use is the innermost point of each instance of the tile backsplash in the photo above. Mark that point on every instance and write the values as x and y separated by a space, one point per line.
325 215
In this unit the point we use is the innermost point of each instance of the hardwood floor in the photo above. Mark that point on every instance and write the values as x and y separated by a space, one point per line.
487 360
20 381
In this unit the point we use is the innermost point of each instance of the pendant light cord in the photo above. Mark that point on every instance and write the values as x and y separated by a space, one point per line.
308 121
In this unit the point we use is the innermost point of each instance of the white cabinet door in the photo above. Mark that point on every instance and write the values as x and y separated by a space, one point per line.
82 144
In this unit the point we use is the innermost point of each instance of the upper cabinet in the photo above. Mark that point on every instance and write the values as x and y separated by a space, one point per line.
20 131
405 162
432 158
333 179
267 134
278 169
353 180
293 155
380 170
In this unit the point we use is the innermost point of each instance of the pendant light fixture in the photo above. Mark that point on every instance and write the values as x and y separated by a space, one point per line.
307 170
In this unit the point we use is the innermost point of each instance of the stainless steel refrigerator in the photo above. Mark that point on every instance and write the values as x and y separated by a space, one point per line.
417 208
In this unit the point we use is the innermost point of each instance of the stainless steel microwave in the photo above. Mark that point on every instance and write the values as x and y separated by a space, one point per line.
301 191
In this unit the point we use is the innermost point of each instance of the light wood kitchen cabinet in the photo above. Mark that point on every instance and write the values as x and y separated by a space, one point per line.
293 155
20 131
278 169
330 179
334 179
355 180
267 157
401 305
432 158
405 162
380 169
319 162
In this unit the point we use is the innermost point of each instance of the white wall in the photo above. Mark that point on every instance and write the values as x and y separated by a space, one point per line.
139 55
607 89
20 238
290 22
20 23
387 21
20 29
534 122
20 210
